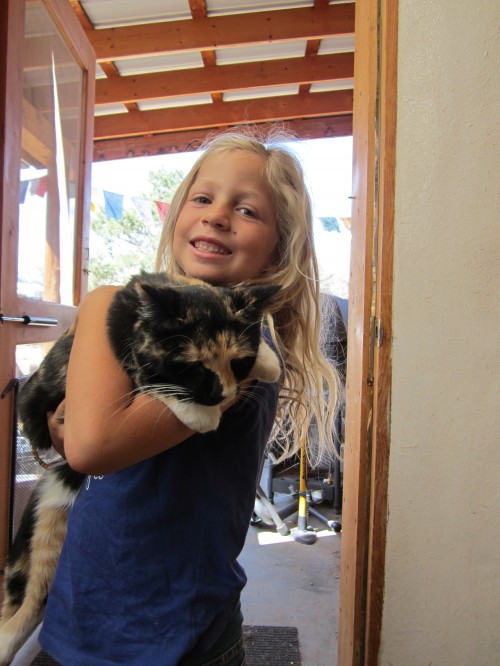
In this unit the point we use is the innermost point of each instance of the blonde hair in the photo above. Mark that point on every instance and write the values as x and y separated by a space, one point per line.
310 388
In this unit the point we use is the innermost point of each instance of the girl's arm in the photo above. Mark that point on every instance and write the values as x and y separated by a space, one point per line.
103 430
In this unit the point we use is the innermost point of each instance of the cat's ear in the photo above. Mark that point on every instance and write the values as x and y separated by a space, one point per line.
258 297
249 301
165 301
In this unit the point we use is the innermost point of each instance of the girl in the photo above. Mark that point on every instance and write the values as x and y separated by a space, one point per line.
144 576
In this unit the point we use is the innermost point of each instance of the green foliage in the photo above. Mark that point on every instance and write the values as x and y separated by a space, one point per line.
165 183
120 248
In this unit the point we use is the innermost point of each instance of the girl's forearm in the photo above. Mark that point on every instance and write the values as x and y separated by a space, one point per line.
140 431
104 429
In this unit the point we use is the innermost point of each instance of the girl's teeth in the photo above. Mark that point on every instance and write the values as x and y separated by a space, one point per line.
206 247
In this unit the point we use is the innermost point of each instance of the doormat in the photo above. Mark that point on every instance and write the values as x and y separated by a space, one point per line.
271 646
264 646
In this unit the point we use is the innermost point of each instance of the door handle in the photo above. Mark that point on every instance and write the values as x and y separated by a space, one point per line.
28 320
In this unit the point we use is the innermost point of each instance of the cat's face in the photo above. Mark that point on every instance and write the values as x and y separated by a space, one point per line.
197 343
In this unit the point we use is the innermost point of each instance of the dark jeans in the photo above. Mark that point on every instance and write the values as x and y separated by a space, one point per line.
227 651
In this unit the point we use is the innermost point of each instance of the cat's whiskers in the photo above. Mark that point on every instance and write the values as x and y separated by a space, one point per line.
242 333
128 355
252 395
134 408
152 390
173 337
165 391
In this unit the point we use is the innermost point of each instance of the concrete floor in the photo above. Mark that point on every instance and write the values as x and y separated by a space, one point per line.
293 584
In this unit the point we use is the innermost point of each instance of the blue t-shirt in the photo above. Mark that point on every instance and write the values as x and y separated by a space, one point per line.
148 571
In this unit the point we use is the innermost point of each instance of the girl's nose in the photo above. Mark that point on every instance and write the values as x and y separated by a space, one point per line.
217 217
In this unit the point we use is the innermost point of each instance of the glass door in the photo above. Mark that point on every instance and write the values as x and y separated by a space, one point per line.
48 92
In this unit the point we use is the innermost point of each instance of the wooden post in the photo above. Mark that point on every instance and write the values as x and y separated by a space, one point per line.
369 335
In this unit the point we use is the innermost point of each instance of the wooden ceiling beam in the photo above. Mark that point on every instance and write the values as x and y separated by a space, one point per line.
224 113
198 8
288 71
222 31
186 141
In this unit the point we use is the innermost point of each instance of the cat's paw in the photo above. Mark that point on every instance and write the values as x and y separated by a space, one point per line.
197 417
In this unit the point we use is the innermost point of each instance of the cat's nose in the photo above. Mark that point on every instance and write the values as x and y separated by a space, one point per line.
211 392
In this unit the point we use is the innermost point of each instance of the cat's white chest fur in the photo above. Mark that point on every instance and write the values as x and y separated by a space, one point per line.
200 418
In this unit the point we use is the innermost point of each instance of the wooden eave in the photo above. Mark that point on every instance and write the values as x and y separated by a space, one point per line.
123 128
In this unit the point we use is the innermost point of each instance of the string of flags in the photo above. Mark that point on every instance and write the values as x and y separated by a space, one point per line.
113 203
35 186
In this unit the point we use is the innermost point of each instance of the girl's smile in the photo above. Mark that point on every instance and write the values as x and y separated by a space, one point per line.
226 231
209 246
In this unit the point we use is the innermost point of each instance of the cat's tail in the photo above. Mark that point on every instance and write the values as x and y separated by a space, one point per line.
37 565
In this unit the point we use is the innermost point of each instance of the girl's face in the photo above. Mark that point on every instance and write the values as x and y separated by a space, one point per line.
226 231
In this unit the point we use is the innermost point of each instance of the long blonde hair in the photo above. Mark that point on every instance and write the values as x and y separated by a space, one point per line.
310 387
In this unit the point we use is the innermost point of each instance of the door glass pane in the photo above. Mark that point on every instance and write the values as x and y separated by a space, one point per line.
51 138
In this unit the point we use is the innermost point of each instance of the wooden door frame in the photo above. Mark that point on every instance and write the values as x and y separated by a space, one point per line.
366 453
11 83
11 105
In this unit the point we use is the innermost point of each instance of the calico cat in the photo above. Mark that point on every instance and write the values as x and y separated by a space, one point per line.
188 344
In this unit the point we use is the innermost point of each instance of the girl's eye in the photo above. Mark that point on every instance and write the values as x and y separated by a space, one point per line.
201 199
247 212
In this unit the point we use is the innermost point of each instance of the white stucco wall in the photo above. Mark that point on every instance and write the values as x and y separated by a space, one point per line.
442 590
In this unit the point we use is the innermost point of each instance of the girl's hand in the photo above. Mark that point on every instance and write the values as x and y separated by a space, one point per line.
55 423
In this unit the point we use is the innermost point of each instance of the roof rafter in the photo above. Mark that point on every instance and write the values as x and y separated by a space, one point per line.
181 128
185 141
224 114
288 71
222 31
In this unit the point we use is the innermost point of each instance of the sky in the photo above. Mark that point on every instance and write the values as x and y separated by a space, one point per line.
327 164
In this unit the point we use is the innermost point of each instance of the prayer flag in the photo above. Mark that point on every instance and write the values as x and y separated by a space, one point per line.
23 188
39 186
143 208
113 205
330 224
162 208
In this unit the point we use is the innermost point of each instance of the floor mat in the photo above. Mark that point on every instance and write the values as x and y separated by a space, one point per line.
264 646
271 646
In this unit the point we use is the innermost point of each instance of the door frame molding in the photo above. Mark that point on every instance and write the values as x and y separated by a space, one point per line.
368 391
12 31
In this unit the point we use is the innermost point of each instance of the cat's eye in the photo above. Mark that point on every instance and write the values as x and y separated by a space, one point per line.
242 366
